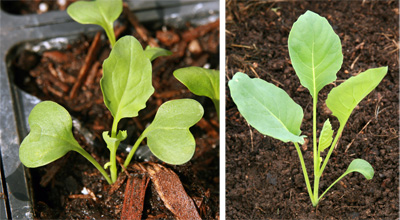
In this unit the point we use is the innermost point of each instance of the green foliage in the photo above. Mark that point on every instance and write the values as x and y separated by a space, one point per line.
200 81
168 136
267 108
127 79
315 52
153 52
126 85
100 12
344 98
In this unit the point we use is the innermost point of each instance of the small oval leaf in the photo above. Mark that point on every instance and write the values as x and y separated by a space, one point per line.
345 97
168 136
267 108
325 138
127 79
50 137
360 166
200 81
315 51
153 52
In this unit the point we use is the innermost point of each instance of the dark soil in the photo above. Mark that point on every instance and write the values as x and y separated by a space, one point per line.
263 175
50 75
22 7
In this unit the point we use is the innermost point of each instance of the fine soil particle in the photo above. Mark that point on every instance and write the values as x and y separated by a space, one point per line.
71 187
263 175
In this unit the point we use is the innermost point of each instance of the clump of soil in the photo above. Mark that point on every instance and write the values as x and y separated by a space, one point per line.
264 176
53 75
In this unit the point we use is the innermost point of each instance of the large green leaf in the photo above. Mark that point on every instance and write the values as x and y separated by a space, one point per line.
200 81
100 12
168 136
153 52
50 137
345 97
127 79
315 51
325 138
267 108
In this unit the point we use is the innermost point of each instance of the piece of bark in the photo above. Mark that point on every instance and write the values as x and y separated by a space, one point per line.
92 73
200 31
93 50
171 191
140 29
134 197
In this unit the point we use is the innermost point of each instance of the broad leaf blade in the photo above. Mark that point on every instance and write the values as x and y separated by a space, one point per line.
50 137
168 136
345 97
325 138
100 12
315 51
127 79
267 108
360 166
200 81
153 52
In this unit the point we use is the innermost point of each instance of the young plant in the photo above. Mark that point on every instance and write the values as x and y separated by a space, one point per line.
200 81
315 52
126 86
100 12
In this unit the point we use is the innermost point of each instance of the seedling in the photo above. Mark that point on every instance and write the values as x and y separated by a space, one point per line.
126 85
315 52
200 81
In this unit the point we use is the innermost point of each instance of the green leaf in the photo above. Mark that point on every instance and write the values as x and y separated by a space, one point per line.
315 51
153 52
168 136
100 12
325 138
127 79
267 108
345 97
50 137
200 81
360 166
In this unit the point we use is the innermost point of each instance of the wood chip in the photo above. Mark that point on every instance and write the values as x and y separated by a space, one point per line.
134 197
171 191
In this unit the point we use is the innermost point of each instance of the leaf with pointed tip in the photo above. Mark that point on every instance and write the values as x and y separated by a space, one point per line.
127 79
345 97
153 52
267 108
100 12
325 138
315 51
360 166
168 136
50 137
200 81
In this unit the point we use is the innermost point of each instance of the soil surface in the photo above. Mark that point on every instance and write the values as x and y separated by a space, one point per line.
263 175
71 187
22 7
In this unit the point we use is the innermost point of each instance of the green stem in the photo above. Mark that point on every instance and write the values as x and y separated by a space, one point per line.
315 150
134 148
332 185
113 152
216 104
303 166
338 134
110 33
94 162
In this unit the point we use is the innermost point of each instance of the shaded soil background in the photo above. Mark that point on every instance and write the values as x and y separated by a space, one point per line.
51 75
263 175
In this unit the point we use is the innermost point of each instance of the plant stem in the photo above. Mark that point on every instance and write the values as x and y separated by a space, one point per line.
343 175
94 162
110 34
134 148
338 134
113 151
303 166
315 150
